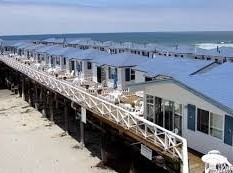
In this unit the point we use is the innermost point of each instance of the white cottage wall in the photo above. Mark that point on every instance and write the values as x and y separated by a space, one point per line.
198 141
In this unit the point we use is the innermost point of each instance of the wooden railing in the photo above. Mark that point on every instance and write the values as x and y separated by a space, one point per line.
158 136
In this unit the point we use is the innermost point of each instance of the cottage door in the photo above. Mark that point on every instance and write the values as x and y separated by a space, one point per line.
71 66
99 74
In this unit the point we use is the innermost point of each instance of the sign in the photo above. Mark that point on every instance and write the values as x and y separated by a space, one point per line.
146 152
83 115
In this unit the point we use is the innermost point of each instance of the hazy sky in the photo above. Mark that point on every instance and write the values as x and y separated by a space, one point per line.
85 16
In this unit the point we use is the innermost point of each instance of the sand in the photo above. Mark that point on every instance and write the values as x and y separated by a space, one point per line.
30 144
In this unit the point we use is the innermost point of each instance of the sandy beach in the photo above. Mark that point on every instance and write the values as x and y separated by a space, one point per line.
31 144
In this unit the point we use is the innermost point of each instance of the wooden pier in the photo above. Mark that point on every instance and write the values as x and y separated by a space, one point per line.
57 99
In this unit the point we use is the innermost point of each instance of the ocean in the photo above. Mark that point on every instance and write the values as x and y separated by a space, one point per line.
165 38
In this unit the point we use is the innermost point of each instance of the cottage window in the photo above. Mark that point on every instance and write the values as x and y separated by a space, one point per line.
203 121
57 61
112 73
129 74
89 65
210 123
216 125
79 66
150 107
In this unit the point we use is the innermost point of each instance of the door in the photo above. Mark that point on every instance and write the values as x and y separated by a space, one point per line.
158 111
168 116
72 67
99 74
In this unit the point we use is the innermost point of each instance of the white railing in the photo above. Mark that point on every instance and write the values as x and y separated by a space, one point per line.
148 131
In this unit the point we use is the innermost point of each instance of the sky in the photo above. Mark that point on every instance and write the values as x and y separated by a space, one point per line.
98 16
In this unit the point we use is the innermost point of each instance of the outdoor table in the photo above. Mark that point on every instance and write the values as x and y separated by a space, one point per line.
211 160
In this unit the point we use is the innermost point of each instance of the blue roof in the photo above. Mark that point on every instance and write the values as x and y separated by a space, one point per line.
17 44
88 54
49 40
217 87
10 42
46 48
220 52
25 45
121 60
34 47
60 51
171 66
78 41
216 84
223 69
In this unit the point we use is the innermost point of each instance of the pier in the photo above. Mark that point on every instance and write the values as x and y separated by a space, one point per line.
61 102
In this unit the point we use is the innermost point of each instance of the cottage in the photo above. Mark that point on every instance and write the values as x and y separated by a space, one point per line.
56 56
42 55
80 61
117 70
198 107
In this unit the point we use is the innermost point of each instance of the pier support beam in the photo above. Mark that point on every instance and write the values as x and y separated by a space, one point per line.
30 94
36 97
103 151
56 100
51 107
23 88
43 95
133 167
66 116
82 126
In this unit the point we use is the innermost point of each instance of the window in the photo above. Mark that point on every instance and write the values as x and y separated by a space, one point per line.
150 107
79 66
132 76
112 73
89 65
57 61
64 61
129 74
203 121
210 123
216 125
148 79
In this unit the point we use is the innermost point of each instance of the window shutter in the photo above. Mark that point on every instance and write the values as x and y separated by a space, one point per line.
191 117
228 130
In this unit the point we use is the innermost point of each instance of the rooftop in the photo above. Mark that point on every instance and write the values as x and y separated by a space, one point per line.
87 54
172 66
121 60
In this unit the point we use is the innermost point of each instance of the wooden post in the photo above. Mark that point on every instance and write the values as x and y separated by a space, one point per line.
56 100
66 116
51 111
36 97
133 167
82 121
43 96
23 88
103 149
30 93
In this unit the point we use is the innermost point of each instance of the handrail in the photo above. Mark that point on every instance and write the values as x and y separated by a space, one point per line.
126 119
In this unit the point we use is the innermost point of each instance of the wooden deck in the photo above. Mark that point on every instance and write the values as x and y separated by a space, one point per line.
195 163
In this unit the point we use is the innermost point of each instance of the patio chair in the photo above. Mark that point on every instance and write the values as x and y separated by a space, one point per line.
70 75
